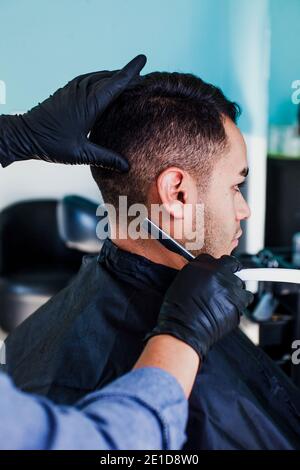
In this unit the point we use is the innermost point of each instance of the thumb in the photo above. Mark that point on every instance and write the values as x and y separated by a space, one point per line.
230 262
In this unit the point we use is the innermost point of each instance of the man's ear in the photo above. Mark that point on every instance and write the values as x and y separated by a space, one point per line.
176 188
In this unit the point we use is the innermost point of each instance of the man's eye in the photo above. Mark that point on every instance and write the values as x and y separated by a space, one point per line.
239 186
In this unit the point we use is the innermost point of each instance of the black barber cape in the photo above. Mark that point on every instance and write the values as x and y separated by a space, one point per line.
93 330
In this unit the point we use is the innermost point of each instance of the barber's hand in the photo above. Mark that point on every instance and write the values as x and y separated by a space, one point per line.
56 130
204 302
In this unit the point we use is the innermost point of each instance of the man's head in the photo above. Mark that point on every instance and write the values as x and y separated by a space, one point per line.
180 138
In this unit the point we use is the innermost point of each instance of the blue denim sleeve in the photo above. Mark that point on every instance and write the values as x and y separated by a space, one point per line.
145 409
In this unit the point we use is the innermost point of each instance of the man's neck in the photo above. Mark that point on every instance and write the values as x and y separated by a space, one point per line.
152 250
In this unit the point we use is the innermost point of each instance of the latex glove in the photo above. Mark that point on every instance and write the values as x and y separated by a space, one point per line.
204 303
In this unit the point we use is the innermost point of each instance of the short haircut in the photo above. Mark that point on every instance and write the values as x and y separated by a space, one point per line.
165 119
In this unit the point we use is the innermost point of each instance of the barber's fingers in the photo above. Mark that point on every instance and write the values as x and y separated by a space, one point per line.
231 263
92 77
96 155
106 93
225 264
243 298
92 81
237 287
239 300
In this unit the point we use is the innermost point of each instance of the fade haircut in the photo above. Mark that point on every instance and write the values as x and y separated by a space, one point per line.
165 119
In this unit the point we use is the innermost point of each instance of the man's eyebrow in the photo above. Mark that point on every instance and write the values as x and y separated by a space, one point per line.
244 172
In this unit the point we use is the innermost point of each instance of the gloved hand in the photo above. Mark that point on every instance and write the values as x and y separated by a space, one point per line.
56 130
203 303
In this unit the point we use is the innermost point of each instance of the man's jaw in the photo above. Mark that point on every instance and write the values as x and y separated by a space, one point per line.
157 253
235 240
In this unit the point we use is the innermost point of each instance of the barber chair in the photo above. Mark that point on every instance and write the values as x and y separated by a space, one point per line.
34 262
276 309
77 224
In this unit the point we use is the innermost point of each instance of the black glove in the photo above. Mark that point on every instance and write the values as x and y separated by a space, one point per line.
56 130
204 302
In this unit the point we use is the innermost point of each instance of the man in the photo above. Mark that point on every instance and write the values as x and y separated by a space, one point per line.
184 149
102 419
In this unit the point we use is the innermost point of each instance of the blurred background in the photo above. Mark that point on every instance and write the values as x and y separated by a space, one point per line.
249 49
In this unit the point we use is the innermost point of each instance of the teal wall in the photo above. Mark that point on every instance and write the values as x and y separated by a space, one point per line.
247 45
285 59
44 43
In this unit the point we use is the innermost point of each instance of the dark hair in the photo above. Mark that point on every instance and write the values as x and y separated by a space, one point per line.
166 119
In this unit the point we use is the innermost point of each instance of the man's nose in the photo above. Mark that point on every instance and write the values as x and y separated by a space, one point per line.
243 210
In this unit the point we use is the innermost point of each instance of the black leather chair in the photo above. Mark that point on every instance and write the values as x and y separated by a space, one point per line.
34 262
77 224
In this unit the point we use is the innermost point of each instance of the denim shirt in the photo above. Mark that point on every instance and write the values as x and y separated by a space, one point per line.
145 409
